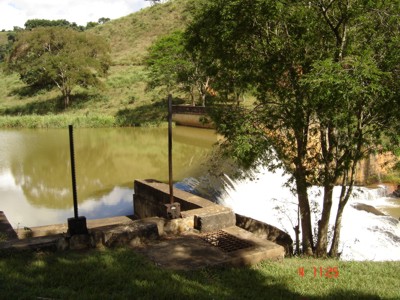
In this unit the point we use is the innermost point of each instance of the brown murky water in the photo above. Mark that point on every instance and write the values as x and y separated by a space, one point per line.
35 178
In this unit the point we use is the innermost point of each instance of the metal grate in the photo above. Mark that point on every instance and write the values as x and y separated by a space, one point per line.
227 242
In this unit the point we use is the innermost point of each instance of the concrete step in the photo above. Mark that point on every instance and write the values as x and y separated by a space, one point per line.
211 218
259 249
190 251
32 244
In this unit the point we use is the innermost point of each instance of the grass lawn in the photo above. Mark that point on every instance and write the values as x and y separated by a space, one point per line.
123 274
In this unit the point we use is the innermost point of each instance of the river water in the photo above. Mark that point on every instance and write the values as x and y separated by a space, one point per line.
35 170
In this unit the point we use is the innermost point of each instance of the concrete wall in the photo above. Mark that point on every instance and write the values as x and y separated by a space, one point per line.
194 116
266 231
192 120
150 197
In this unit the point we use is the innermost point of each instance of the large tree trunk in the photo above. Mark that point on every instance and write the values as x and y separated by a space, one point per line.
66 100
192 98
323 224
347 189
66 94
328 141
334 251
300 174
305 213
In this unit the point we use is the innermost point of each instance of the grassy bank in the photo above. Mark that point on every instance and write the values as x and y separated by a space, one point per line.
122 274
56 121
62 121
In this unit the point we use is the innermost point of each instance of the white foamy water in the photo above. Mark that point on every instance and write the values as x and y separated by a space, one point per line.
364 236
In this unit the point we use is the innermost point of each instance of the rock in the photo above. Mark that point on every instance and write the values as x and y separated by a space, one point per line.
395 194
368 209
62 244
96 238
80 242
123 235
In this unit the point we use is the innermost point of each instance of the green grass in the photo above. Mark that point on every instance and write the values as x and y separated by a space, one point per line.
131 36
122 274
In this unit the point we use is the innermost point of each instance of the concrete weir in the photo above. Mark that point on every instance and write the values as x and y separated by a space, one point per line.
207 233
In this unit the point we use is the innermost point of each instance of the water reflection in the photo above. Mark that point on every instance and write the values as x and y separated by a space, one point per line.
35 180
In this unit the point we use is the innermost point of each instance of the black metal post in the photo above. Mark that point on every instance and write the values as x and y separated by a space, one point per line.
76 225
71 146
171 190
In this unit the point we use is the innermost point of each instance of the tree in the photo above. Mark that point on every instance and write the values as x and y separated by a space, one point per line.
171 67
5 48
322 72
103 20
91 25
35 23
154 2
48 57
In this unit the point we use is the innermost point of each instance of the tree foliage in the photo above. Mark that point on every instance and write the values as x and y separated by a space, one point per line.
48 57
173 68
35 23
324 73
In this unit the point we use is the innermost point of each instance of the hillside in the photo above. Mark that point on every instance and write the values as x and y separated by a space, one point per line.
124 95
131 36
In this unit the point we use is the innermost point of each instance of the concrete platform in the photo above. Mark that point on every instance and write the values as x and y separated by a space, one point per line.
55 229
190 251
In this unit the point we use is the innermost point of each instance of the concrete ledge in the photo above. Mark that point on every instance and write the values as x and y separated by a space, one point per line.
151 195
213 218
262 249
266 231
189 251
6 230
32 244
128 233
193 120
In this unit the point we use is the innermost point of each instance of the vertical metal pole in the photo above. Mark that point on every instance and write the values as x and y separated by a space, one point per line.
171 190
71 147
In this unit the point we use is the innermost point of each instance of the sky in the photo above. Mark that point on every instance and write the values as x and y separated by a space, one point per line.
17 12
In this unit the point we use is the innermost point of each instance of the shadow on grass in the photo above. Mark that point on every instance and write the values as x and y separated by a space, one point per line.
54 105
27 91
155 112
123 274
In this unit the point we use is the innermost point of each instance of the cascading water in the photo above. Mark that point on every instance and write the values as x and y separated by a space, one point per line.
364 235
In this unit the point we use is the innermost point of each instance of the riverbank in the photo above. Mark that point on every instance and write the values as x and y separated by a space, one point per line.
79 121
56 121
122 274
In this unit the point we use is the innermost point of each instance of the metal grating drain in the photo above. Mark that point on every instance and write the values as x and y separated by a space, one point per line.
227 242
